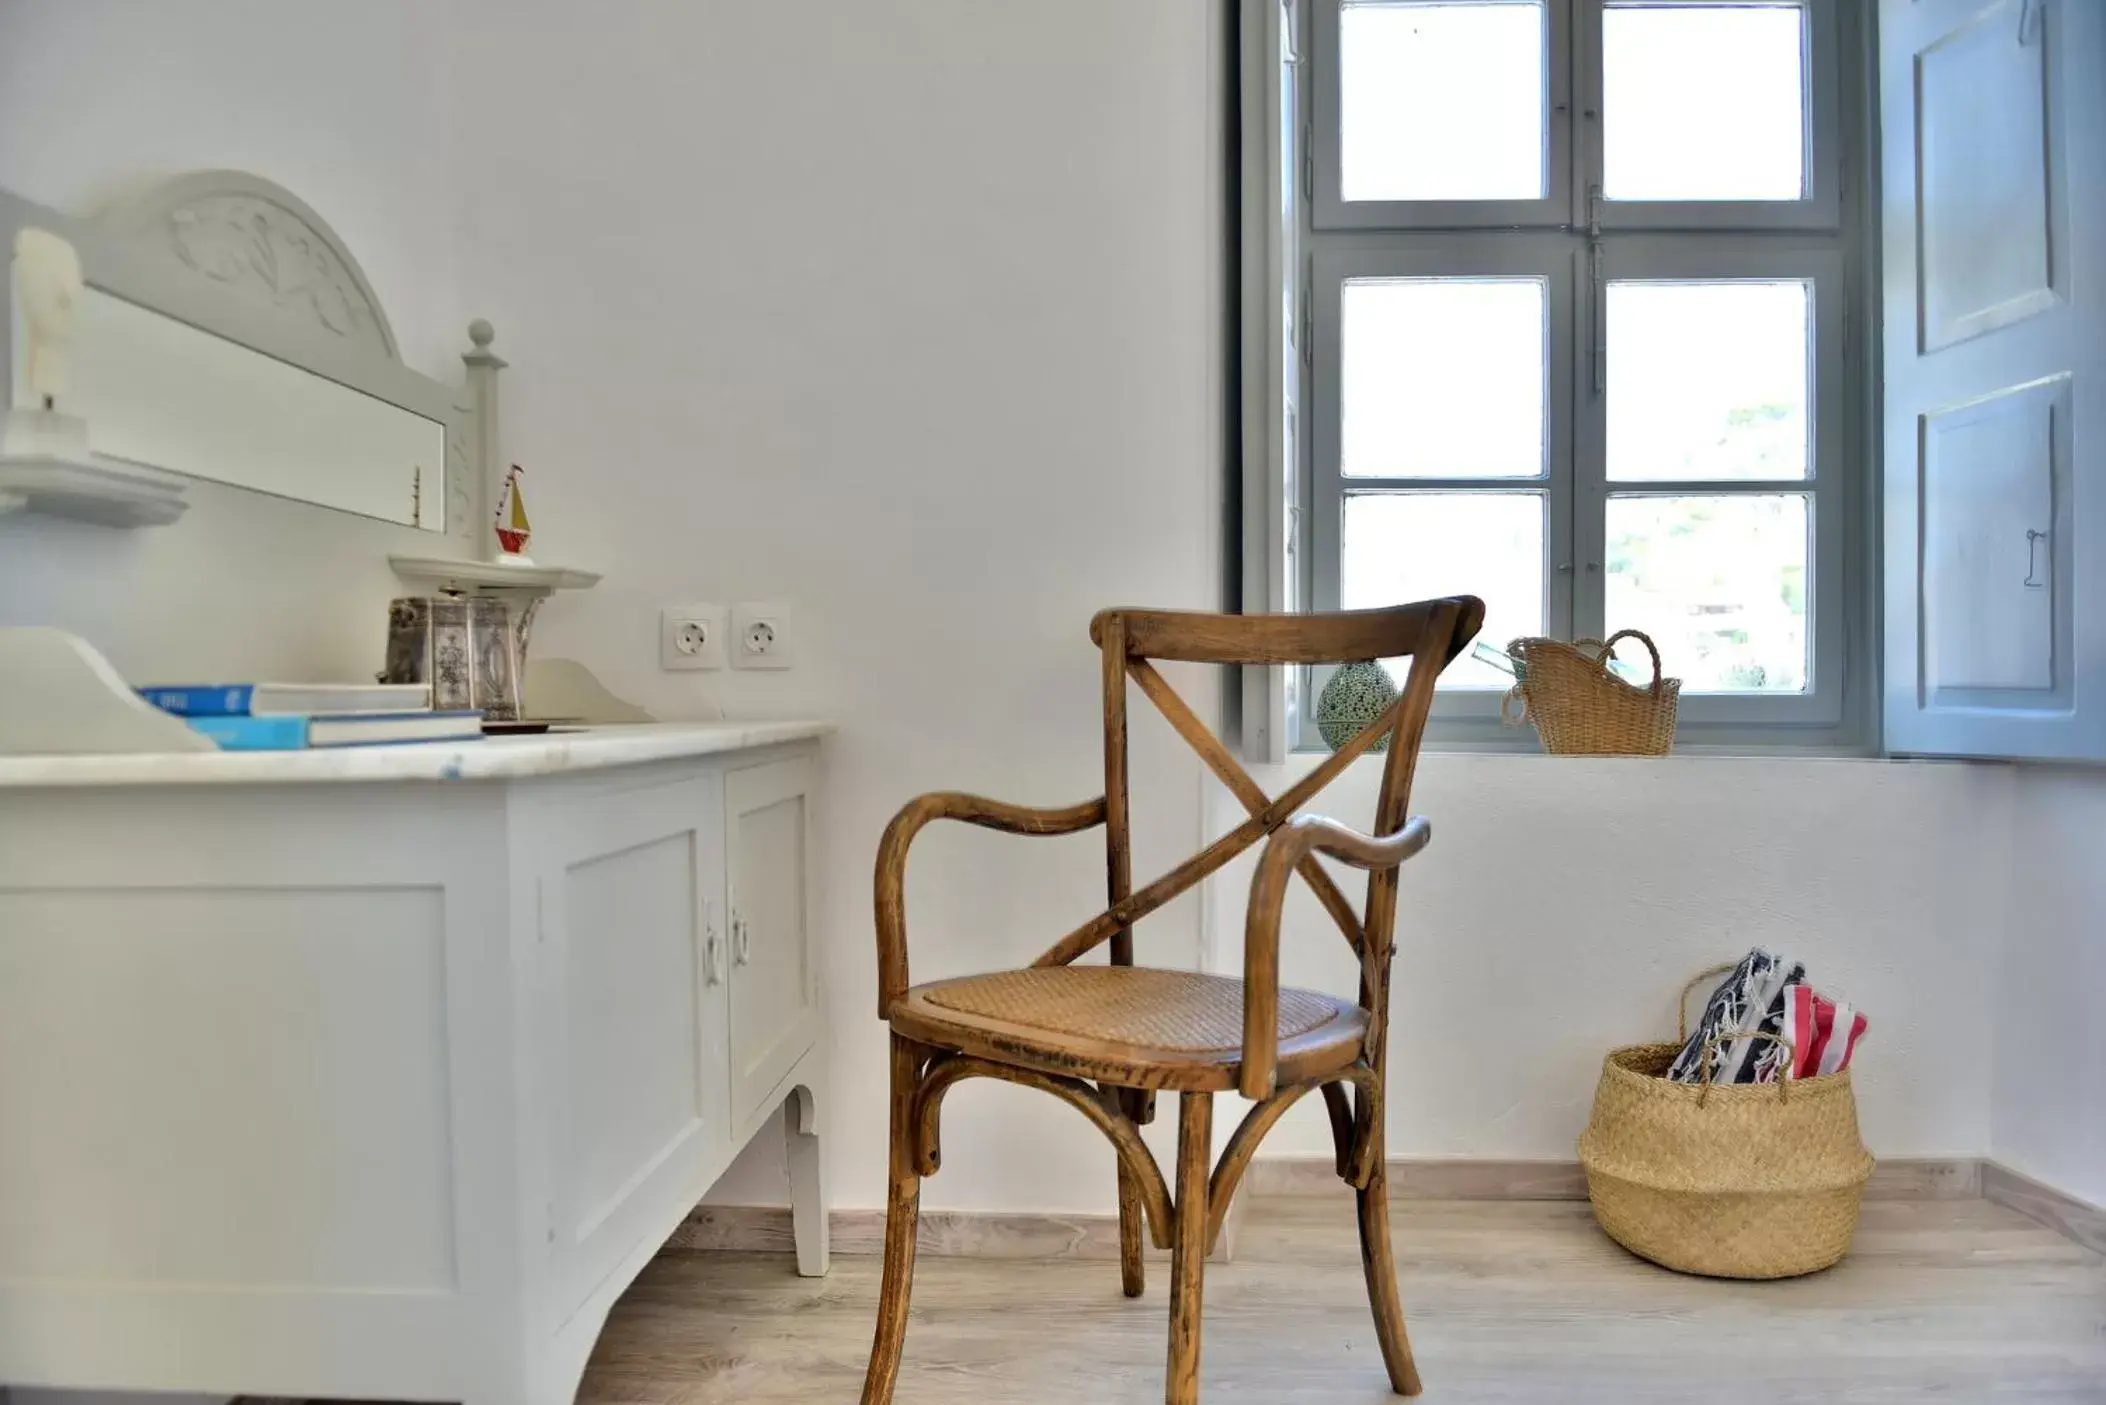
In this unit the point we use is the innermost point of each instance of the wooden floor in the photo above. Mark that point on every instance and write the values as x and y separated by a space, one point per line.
1957 1301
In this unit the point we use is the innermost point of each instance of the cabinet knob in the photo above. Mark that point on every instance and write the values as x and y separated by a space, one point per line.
741 940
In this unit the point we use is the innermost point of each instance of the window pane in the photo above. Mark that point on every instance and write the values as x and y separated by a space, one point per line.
1442 378
1442 101
1720 585
1709 380
1400 547
1703 102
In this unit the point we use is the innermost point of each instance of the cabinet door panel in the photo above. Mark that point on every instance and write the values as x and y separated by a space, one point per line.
774 994
627 881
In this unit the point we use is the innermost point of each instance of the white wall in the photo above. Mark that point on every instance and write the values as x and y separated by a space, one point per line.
2050 1089
345 104
907 315
1564 901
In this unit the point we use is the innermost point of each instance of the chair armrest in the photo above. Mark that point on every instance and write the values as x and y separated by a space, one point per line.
892 863
1289 845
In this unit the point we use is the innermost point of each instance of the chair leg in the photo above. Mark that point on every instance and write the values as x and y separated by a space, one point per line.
902 1218
1133 1273
1133 1219
1188 1256
1381 1268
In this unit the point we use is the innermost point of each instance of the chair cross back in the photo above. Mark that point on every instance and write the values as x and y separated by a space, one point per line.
1431 632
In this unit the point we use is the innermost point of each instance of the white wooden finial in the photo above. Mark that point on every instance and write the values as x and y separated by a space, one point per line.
479 354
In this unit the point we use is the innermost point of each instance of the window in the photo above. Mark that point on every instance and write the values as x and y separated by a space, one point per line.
1572 338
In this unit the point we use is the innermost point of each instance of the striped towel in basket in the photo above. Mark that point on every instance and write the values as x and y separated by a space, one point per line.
1750 999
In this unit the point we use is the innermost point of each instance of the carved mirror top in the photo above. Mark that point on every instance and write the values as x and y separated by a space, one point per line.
264 244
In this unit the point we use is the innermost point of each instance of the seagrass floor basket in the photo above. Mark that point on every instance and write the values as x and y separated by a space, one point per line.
1751 1180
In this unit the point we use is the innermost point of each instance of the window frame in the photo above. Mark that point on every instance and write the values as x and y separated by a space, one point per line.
1327 488
1820 207
1650 259
1819 238
1573 150
1325 171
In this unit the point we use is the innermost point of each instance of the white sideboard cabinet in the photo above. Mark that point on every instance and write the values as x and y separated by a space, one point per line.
380 1074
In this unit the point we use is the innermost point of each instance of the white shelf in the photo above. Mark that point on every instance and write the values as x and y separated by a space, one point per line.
489 577
90 489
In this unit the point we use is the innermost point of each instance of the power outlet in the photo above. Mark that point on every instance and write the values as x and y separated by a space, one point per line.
691 636
761 636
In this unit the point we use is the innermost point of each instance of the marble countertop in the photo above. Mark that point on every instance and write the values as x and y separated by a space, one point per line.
490 759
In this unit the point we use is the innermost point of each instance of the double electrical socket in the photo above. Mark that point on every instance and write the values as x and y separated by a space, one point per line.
709 636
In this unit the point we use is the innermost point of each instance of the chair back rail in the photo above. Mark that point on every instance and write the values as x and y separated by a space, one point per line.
1430 632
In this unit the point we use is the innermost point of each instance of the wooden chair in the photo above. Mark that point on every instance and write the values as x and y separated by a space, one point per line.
1106 1038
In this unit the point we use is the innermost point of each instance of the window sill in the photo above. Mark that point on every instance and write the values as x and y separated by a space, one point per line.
1304 758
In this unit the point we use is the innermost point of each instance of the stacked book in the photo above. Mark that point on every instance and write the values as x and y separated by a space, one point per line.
295 716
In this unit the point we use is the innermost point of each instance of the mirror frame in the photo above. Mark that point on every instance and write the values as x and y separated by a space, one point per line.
205 249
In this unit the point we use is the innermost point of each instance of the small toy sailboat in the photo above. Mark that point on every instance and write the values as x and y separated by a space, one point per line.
513 530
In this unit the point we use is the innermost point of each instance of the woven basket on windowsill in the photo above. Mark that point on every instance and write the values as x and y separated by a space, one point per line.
1581 708
1742 1180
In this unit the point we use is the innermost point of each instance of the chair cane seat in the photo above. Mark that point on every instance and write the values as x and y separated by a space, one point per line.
1136 1026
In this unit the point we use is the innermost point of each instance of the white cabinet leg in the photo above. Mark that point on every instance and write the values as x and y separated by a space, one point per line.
808 1199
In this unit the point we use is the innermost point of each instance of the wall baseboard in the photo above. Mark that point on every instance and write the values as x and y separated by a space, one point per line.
2073 1218
943 1233
1001 1235
1914 1178
1430 1179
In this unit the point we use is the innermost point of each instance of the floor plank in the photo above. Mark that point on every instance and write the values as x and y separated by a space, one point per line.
1959 1301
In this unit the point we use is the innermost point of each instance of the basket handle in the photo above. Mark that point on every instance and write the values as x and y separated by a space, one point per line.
1509 714
1682 1005
1608 649
1791 1060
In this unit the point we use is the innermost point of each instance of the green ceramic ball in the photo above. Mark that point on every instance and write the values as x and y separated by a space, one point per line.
1357 694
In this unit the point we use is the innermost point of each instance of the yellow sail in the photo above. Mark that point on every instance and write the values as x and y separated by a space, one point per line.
511 523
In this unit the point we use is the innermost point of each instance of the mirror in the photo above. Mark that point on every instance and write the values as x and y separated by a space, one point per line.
158 391
225 333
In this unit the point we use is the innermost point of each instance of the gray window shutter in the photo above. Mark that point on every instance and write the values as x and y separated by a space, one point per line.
1993 125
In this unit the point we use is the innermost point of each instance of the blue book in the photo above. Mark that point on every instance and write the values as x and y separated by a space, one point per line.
254 733
273 699
290 733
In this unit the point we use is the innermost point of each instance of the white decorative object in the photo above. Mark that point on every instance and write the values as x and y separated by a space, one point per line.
60 697
521 586
45 459
380 1076
47 285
